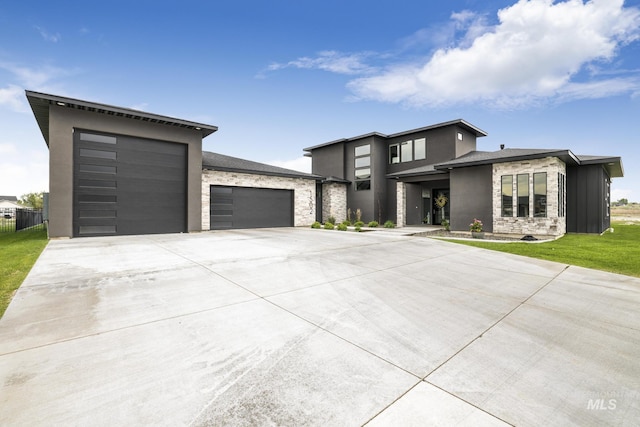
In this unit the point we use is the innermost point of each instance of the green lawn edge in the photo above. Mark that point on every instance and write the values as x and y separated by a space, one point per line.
615 252
18 253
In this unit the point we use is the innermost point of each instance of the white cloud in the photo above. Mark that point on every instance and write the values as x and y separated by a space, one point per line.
47 36
13 97
331 60
533 53
621 193
301 164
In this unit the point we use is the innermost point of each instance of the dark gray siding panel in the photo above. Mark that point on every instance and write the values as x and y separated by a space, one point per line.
132 186
244 207
471 197
587 199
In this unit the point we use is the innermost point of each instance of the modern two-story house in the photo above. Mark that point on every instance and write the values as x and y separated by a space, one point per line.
435 173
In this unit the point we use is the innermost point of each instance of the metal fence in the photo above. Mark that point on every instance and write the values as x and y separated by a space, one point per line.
16 219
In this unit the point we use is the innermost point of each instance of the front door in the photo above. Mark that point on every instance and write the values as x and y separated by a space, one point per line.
440 205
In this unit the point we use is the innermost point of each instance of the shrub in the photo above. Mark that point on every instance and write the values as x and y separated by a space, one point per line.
358 228
331 219
342 227
346 222
475 226
389 224
446 224
373 224
329 226
316 225
359 224
349 216
358 215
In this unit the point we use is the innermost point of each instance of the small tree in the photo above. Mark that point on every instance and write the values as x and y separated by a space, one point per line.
623 202
32 200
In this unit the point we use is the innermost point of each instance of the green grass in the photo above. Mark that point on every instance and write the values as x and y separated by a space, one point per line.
18 252
617 252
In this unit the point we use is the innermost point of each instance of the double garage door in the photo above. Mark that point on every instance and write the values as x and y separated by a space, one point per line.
245 207
127 185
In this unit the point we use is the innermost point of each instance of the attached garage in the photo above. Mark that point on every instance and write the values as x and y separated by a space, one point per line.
245 207
118 171
127 185
239 193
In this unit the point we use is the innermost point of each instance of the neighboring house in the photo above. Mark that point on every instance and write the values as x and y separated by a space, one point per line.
404 177
8 205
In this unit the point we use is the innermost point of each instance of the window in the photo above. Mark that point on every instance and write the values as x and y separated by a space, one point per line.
523 195
363 162
363 150
394 154
507 195
364 173
540 194
363 167
420 147
406 151
460 136
562 191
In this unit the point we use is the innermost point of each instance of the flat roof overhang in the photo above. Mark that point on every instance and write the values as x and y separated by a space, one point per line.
40 103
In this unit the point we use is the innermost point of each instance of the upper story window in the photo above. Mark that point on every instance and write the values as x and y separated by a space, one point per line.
408 151
460 136
362 165
394 154
420 149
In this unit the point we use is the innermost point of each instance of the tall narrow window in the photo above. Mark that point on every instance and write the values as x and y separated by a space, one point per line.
420 148
394 154
540 194
562 198
523 195
507 195
362 163
406 151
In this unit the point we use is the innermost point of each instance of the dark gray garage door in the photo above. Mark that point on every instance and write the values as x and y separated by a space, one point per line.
243 207
127 185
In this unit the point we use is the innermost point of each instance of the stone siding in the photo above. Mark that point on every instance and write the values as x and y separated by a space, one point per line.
304 192
552 224
334 201
401 204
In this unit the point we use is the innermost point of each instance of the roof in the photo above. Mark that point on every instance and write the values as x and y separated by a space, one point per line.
220 162
476 158
459 122
9 198
40 103
613 165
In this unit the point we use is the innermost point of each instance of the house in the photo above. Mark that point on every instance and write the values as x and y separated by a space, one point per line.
435 173
8 206
118 171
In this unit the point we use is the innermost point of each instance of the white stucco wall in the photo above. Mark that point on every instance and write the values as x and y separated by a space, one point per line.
304 192
552 224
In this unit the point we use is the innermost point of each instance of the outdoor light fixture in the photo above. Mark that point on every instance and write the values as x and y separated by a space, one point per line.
62 104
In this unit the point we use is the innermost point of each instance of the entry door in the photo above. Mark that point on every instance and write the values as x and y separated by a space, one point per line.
441 213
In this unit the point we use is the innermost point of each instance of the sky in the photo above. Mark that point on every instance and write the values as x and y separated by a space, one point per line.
277 76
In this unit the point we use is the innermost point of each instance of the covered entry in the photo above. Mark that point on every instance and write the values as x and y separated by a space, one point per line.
126 185
246 207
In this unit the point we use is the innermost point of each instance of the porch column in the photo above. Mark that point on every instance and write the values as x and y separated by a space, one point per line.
401 204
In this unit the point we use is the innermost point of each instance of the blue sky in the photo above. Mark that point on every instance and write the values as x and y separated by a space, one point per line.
279 76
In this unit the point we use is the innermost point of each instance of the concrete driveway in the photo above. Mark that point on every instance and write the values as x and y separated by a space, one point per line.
315 327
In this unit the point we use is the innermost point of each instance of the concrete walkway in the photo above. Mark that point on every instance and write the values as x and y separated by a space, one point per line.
315 327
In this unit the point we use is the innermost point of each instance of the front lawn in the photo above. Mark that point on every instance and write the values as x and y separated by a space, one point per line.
18 252
617 252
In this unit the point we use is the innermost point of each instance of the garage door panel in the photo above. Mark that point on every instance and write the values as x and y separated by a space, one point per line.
140 191
244 207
